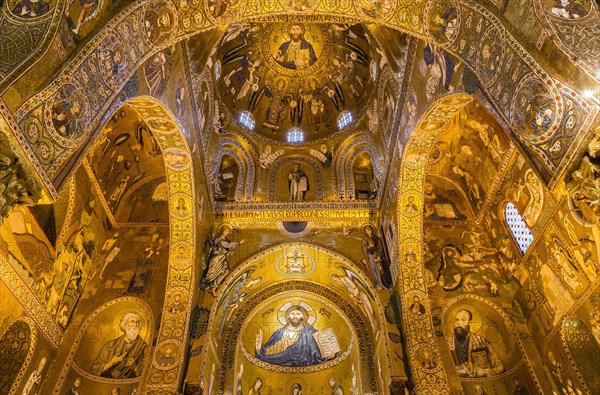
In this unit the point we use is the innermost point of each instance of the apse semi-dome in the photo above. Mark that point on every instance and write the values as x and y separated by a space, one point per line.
295 76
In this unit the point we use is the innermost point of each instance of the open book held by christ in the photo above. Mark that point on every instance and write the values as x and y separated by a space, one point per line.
327 342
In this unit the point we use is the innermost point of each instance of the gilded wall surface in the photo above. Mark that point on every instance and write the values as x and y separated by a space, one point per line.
343 197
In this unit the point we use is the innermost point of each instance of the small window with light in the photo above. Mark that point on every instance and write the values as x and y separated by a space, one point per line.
345 119
295 136
518 229
246 120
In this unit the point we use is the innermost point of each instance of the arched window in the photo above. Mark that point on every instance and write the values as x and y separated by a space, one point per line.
345 119
295 136
519 230
247 120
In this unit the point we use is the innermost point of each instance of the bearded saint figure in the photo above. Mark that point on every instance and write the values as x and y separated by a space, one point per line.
123 357
293 344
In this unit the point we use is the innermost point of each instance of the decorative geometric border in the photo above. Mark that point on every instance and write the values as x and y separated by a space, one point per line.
72 190
567 351
174 326
39 51
44 321
419 333
81 335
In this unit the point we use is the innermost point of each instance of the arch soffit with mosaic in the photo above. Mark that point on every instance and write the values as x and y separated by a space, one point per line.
361 140
409 17
245 161
243 266
235 323
174 326
40 32
419 333
577 37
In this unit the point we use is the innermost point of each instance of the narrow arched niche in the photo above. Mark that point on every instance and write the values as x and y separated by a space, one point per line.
225 186
362 171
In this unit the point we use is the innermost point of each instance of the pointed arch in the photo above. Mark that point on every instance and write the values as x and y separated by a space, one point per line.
225 324
356 144
572 114
246 161
174 326
419 333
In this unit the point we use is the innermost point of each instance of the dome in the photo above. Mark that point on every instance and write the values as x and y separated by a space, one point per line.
294 76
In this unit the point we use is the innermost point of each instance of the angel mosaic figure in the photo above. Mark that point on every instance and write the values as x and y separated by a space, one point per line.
220 248
267 157
375 258
279 102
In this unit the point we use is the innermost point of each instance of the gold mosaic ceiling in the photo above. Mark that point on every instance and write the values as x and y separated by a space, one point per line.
294 76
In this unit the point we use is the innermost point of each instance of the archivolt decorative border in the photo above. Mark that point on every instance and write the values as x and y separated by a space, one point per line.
30 302
387 77
231 335
174 326
419 333
82 333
